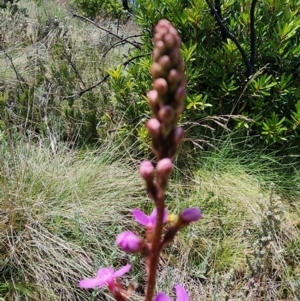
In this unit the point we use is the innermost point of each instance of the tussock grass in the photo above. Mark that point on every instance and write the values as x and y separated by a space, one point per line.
60 215
225 256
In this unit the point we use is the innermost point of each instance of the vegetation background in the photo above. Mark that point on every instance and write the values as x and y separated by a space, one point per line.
73 80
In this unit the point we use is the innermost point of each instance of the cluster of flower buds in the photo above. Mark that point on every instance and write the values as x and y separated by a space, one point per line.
166 98
166 101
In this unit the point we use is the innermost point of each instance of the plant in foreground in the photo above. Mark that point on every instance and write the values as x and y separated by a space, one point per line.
166 101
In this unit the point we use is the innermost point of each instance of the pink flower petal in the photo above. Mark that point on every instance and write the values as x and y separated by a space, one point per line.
162 297
105 273
140 217
104 276
122 271
181 293
153 216
165 215
91 283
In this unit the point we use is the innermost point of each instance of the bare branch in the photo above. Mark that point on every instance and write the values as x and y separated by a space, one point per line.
135 44
249 68
72 64
80 93
120 43
252 33
219 12
18 75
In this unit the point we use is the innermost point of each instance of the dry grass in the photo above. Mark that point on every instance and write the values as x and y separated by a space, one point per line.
28 38
59 218
61 213
214 257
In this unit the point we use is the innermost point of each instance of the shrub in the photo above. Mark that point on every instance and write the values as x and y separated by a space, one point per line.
252 78
92 8
43 69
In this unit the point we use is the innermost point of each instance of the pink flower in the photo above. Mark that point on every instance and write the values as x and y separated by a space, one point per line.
105 276
190 215
148 220
180 293
129 242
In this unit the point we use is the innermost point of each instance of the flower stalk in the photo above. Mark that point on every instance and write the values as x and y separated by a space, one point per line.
166 101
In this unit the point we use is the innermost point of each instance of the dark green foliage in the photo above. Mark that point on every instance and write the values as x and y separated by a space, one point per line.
93 8
11 4
218 81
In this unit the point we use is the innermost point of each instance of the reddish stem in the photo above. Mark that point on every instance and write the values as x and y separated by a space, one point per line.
152 261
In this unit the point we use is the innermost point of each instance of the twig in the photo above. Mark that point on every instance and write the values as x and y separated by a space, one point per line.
249 68
136 45
120 43
19 77
219 12
80 93
70 61
252 33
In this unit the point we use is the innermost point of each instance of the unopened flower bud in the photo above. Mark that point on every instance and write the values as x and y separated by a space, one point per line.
178 135
163 24
180 94
157 70
190 215
174 77
169 40
165 62
174 32
166 114
160 46
164 167
153 127
152 97
161 33
129 242
161 86
147 171
156 55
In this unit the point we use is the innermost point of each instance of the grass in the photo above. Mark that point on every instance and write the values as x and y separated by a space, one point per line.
233 189
60 215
